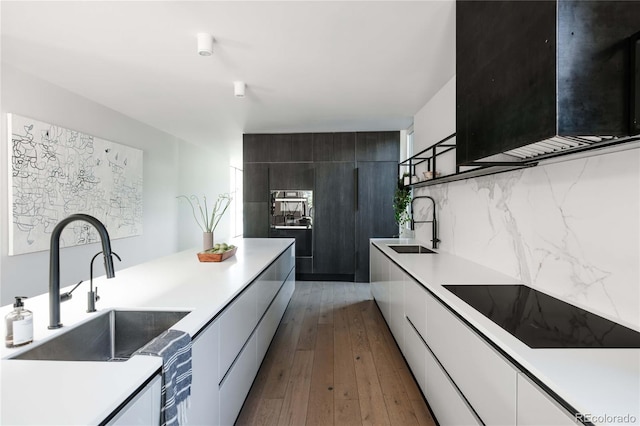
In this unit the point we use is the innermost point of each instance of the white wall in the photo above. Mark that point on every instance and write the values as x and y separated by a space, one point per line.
29 96
202 171
570 228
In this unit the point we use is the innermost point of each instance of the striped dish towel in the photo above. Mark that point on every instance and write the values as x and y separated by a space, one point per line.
174 347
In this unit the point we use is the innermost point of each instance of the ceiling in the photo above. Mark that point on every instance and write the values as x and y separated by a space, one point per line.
308 66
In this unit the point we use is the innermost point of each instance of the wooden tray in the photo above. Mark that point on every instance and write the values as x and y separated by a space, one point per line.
216 257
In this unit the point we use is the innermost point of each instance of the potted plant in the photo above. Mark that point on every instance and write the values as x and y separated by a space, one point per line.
208 222
401 200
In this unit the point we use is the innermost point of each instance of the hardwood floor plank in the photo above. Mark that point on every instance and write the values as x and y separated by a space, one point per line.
347 412
321 406
345 386
296 399
372 405
308 333
276 383
326 305
267 414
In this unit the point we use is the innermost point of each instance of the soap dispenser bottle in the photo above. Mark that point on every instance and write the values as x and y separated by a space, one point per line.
19 325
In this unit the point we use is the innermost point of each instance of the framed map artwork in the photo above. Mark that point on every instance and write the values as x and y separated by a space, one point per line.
56 172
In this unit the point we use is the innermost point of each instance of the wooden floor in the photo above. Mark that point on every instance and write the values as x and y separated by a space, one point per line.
333 361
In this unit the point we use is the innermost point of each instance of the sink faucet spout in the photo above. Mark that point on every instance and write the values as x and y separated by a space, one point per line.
54 261
434 220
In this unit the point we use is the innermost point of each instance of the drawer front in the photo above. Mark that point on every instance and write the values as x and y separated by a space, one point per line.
536 408
235 387
236 325
448 405
415 305
415 352
204 408
486 379
269 324
267 286
396 318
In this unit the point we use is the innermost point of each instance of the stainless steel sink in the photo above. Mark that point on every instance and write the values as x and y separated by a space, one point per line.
111 336
410 248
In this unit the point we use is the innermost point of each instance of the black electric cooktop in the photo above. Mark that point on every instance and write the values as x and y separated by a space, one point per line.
541 321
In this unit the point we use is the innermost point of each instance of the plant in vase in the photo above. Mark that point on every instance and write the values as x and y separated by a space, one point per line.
401 200
208 222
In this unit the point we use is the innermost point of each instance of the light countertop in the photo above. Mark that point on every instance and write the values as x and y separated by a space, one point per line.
594 381
84 393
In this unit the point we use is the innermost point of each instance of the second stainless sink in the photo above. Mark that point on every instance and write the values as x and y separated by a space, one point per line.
410 248
111 336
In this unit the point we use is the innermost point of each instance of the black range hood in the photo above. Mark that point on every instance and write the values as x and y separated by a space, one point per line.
540 78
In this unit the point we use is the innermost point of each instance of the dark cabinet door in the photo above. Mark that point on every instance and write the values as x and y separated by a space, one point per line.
323 147
301 147
505 75
256 148
375 219
344 146
377 146
255 182
280 148
255 220
284 176
334 219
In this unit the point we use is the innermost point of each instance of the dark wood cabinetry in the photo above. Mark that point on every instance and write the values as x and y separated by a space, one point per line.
529 70
353 176
377 146
334 218
376 184
291 176
505 75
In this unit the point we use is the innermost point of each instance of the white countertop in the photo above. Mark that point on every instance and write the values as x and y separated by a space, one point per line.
594 381
84 393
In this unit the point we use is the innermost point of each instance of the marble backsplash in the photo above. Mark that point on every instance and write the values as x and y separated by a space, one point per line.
570 228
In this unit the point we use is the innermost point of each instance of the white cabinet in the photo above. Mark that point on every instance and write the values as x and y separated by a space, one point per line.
204 405
395 288
143 409
536 408
486 379
415 352
236 324
236 384
415 329
271 319
446 401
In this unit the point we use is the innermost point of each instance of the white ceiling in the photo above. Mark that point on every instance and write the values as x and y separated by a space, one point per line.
308 66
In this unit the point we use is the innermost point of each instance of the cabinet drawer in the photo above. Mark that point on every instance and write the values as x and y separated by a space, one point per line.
144 409
448 405
236 384
415 352
236 325
204 409
396 318
415 305
536 408
485 378
270 321
267 286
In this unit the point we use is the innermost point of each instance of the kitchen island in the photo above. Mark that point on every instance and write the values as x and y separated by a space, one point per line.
258 279
472 371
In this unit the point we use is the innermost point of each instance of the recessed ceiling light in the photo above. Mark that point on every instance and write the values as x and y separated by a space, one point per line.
205 44
238 89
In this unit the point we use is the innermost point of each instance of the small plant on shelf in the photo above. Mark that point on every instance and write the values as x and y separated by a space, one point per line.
401 200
